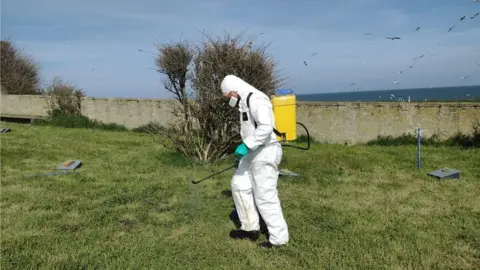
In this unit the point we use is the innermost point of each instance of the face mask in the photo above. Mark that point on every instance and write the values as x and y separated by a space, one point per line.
233 102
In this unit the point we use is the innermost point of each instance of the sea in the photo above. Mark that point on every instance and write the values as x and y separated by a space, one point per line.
459 93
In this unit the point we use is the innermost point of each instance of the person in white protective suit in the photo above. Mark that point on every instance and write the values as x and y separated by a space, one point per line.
254 184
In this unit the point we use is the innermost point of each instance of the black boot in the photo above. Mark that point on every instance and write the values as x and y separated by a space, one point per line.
241 234
267 245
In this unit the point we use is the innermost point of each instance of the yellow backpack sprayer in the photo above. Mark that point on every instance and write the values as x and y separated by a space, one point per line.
285 114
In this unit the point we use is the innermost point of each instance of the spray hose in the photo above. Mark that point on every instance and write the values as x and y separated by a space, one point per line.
298 147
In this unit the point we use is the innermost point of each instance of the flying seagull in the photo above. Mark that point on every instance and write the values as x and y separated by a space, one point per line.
464 77
462 18
475 15
451 28
418 28
392 38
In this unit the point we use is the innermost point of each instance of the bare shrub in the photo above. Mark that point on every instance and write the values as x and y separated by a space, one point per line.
204 126
174 61
19 73
63 98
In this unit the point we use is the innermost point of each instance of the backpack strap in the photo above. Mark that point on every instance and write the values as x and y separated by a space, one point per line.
279 134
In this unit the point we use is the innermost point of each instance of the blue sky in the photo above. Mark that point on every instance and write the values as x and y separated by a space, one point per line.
95 44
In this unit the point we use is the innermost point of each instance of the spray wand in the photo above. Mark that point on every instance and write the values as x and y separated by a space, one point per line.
237 161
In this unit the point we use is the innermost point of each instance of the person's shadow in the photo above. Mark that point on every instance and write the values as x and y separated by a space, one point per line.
236 221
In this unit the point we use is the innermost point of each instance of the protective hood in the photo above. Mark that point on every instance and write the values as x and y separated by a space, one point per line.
233 83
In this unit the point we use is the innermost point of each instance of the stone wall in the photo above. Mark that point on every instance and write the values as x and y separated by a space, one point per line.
334 122
23 105
129 112
360 122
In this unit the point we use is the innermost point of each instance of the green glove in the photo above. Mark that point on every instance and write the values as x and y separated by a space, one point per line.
242 150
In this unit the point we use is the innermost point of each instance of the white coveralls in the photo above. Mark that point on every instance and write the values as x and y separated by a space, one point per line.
255 180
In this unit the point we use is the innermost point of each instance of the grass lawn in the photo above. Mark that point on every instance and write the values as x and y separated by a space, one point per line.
132 207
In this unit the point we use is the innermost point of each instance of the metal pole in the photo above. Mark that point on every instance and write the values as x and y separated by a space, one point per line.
418 148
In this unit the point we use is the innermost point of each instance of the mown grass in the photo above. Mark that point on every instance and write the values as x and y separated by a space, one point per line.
132 207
